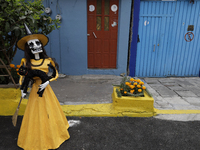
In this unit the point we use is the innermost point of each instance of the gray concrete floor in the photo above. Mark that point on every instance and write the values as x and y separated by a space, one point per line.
176 94
86 89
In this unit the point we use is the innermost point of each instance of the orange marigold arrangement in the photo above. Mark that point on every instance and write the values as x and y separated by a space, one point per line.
14 72
131 87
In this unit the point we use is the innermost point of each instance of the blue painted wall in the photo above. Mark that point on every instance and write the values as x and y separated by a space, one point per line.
163 50
68 44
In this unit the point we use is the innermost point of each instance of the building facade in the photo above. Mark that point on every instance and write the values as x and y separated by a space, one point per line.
93 37
168 44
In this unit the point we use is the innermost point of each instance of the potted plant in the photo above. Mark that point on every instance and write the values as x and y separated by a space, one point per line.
131 87
132 95
14 13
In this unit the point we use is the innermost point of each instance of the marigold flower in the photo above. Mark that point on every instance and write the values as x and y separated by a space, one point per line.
131 79
139 86
125 92
12 65
18 73
131 91
18 66
131 86
141 83
138 80
121 89
127 83
17 69
139 90
143 87
135 83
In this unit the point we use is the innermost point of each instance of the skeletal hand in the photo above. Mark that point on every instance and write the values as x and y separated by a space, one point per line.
23 94
43 86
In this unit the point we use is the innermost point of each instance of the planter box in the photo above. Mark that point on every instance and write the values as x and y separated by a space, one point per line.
130 103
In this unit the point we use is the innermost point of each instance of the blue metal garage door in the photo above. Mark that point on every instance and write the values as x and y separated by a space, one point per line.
169 39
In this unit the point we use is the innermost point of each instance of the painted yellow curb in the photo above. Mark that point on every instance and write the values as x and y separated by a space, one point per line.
102 110
9 103
9 93
9 99
177 111
8 107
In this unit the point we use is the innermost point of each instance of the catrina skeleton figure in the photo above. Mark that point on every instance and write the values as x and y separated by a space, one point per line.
44 125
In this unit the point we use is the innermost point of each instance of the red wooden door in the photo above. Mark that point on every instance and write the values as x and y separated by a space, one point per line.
102 27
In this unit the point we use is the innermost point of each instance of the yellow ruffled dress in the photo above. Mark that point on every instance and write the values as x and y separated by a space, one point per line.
44 125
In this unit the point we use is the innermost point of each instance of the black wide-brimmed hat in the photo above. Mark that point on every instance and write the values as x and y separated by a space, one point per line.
21 43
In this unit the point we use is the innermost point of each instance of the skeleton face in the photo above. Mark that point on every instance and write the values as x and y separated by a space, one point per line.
35 46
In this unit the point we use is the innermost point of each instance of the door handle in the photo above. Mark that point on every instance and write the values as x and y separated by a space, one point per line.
94 35
154 47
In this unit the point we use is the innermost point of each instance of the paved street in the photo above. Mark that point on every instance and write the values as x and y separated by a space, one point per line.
123 133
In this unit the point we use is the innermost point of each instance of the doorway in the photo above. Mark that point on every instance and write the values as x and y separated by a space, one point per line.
102 31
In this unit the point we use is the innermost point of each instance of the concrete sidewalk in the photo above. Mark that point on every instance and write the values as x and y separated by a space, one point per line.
181 94
85 89
176 94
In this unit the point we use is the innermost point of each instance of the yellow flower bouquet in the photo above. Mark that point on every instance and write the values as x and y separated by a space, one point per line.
131 87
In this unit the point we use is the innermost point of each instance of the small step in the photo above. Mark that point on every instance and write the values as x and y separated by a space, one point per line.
4 75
